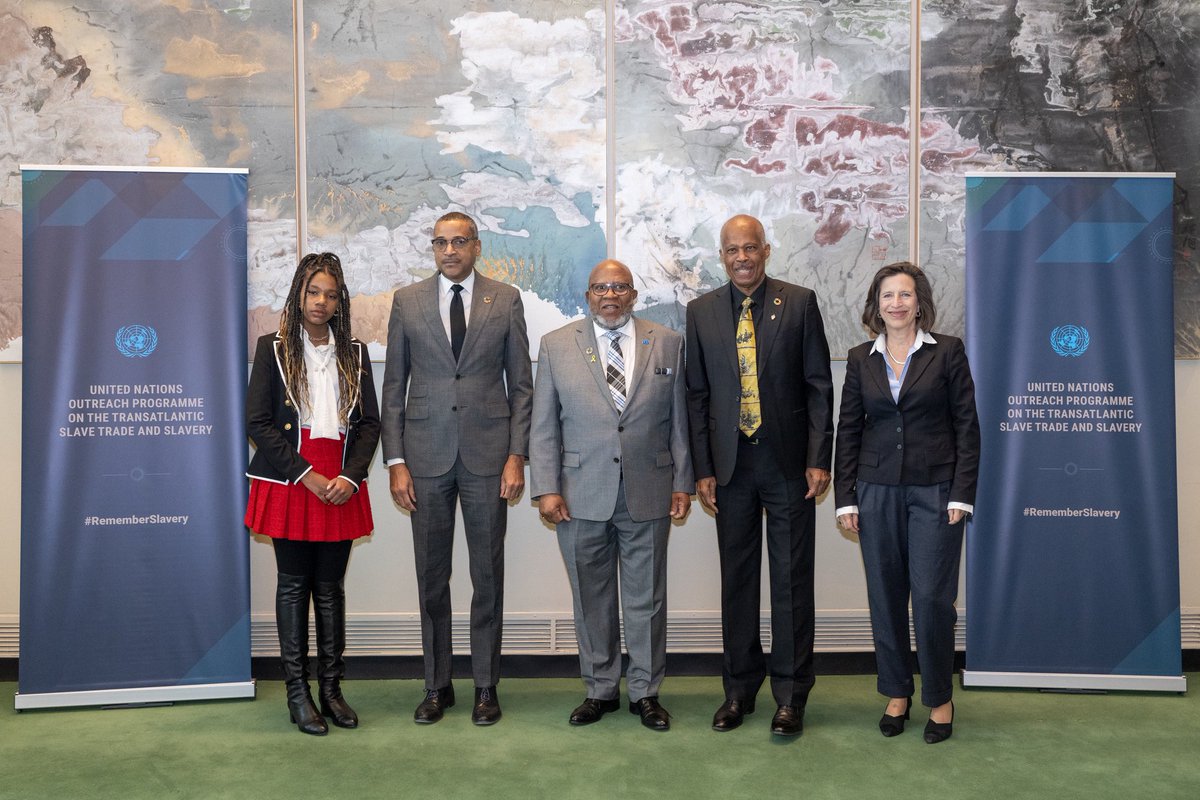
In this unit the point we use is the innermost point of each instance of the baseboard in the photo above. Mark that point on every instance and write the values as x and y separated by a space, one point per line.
523 666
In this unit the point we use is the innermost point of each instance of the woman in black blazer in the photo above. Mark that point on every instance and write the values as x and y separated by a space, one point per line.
905 472
312 414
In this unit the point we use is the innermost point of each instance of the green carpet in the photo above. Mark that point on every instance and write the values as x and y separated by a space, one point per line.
1006 744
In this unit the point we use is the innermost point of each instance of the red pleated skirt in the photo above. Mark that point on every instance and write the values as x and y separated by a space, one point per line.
290 511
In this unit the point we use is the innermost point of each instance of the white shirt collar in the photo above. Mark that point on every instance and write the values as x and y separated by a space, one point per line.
626 330
468 283
923 337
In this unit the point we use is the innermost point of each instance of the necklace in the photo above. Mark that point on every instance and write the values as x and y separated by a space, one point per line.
319 340
899 361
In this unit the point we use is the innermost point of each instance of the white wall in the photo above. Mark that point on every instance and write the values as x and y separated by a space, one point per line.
381 588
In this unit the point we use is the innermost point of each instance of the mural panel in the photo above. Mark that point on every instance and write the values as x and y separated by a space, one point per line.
1077 86
147 83
416 109
794 112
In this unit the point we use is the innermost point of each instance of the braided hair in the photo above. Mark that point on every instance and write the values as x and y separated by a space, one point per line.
291 336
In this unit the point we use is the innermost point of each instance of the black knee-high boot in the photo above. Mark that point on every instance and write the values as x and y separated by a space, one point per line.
291 617
329 599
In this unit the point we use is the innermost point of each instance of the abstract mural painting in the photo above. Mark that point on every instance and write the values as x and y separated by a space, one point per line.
572 128
148 83
794 112
1050 86
415 109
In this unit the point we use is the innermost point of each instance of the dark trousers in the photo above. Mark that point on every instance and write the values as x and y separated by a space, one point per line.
485 520
757 485
909 549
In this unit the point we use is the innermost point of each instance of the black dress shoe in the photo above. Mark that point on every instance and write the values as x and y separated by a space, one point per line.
893 725
654 716
434 705
788 721
939 731
487 706
591 710
731 713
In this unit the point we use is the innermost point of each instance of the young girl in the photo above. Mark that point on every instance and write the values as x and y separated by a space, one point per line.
312 414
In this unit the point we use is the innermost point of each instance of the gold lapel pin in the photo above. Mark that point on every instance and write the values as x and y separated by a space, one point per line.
588 351
778 302
488 300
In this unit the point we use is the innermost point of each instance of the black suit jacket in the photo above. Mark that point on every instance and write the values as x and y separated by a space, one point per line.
273 421
794 381
931 435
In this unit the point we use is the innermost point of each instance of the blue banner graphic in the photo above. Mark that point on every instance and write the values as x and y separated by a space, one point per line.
1072 557
134 561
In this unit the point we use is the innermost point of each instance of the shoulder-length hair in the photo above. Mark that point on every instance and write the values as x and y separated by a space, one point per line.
926 312
292 349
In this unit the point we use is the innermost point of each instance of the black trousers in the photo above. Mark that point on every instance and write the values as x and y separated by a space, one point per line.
758 485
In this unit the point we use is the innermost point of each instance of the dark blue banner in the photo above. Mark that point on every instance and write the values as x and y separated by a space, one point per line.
134 561
1072 557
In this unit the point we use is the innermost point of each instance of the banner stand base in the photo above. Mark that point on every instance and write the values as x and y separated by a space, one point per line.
1071 681
140 696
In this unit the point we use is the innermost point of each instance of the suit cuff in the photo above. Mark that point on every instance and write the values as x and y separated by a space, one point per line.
393 461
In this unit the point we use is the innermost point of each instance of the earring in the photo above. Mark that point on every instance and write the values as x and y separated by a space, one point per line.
918 312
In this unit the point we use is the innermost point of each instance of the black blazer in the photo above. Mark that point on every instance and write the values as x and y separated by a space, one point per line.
273 421
794 381
931 435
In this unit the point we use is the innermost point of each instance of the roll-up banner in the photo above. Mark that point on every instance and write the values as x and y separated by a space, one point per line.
135 579
1072 556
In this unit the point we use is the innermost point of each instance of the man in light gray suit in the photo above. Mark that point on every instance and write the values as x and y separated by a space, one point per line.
457 390
609 466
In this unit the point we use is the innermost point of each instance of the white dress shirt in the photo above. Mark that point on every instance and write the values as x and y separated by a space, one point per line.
628 350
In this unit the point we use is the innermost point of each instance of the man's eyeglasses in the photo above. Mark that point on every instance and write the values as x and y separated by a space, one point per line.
459 242
619 289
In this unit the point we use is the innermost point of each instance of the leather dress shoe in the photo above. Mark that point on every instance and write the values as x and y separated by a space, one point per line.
730 714
434 705
591 710
788 721
653 715
893 724
487 706
939 731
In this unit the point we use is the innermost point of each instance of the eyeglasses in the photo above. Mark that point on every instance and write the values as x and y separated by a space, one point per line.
619 289
459 242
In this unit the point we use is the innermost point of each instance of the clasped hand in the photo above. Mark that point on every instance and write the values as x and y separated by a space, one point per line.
334 491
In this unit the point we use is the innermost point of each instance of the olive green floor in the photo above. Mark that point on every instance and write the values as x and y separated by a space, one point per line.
1007 744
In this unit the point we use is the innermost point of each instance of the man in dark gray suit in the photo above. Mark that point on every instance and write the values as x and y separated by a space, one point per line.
609 467
760 406
457 390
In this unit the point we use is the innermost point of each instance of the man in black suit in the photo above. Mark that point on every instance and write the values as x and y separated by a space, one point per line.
760 407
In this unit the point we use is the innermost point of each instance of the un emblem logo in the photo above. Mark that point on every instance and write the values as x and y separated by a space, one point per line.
136 341
1069 340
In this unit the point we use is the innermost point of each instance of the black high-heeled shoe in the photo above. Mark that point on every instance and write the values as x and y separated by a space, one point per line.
893 725
939 731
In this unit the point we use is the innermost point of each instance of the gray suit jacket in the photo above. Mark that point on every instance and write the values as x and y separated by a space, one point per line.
580 446
435 410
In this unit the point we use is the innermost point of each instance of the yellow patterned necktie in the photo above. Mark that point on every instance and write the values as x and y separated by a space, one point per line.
750 415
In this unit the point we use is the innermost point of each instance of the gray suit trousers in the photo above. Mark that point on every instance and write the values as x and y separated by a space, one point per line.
485 519
595 553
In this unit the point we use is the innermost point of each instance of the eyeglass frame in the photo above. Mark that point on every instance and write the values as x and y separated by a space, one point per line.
459 242
618 288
